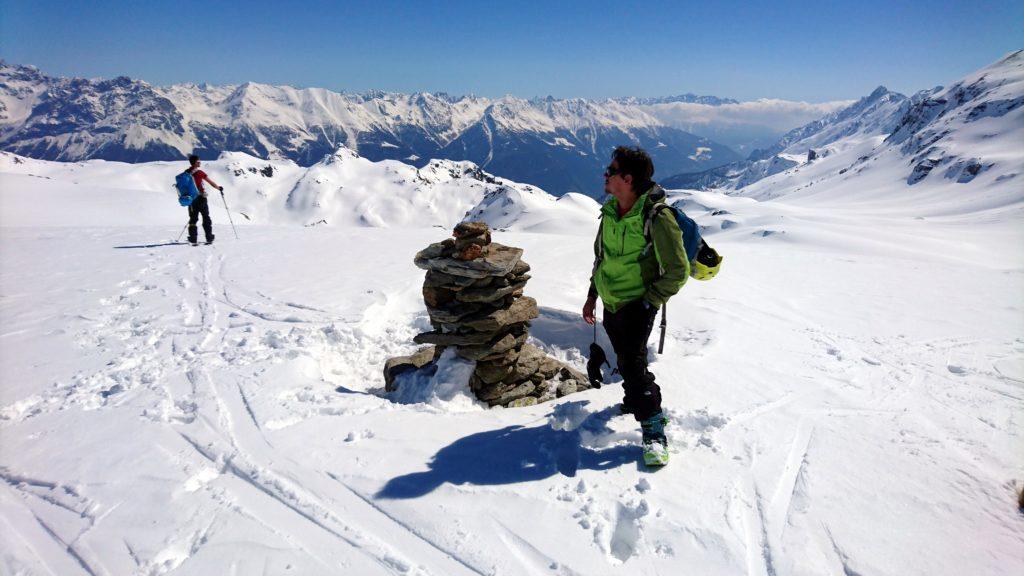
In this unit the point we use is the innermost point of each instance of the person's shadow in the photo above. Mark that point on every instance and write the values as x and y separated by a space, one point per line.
513 454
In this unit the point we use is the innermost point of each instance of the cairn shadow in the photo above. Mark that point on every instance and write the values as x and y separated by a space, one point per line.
567 330
512 455
151 245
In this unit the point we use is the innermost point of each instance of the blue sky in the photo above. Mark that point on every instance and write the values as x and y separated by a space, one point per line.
812 51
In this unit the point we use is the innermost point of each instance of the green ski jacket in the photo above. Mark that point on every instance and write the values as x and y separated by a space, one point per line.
625 269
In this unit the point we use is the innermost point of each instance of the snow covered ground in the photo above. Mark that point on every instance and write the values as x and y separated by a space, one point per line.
845 397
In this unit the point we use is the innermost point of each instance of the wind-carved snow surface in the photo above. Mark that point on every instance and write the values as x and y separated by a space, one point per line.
844 398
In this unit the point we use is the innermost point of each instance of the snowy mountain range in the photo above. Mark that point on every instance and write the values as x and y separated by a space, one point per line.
966 129
559 145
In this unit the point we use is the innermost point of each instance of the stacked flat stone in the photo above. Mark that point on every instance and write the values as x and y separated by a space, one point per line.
474 295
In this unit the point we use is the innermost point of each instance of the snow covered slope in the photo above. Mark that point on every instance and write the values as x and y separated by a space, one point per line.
844 398
343 189
873 115
952 151
960 132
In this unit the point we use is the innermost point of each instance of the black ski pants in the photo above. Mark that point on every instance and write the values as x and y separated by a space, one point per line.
199 206
628 329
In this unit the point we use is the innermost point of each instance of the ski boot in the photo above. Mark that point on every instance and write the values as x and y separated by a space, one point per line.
210 239
655 441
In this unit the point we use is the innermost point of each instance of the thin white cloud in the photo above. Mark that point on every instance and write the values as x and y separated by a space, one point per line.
778 115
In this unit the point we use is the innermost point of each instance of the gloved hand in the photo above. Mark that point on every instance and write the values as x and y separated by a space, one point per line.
221 188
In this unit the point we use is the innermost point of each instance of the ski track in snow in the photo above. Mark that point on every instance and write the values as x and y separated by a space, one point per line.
201 371
233 410
206 411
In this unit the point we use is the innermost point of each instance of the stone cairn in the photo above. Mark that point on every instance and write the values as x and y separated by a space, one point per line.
474 295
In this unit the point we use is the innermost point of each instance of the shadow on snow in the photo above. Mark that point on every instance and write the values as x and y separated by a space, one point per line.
514 454
152 245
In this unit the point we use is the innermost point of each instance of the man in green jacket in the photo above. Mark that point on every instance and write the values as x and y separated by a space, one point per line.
634 279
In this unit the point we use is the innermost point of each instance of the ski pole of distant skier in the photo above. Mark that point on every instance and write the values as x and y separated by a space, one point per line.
229 213
180 235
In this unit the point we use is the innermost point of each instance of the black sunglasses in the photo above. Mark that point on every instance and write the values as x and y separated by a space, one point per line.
611 171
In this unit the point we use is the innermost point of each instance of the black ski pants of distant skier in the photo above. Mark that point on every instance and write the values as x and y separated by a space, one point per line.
199 206
628 329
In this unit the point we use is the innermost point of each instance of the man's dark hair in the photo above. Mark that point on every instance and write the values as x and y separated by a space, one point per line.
192 159
637 163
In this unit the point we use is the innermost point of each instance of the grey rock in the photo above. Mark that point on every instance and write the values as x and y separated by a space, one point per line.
504 345
565 388
440 279
487 294
522 310
395 366
569 373
519 374
521 402
436 250
464 229
479 239
491 392
492 373
451 338
499 261
505 358
549 393
549 367
520 391
530 358
436 296
453 313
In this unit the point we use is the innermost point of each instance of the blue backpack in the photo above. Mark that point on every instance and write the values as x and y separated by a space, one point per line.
704 260
187 190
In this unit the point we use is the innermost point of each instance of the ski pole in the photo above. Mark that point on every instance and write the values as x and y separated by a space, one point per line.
229 213
182 233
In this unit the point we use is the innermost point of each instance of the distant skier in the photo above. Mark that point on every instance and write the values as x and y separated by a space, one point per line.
633 281
200 205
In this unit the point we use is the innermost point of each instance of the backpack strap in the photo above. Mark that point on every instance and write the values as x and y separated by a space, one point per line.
648 223
600 249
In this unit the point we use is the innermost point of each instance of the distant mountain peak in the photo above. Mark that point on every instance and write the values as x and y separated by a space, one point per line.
557 144
877 93
687 98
